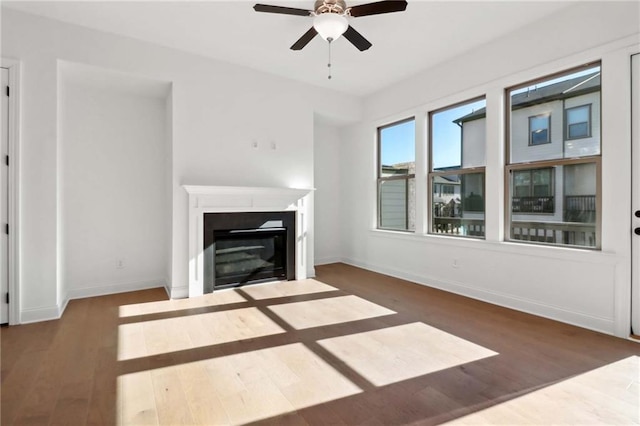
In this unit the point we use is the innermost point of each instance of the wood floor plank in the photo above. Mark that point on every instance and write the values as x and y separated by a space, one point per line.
136 399
17 383
349 347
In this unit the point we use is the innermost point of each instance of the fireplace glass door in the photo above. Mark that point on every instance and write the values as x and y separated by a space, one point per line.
249 255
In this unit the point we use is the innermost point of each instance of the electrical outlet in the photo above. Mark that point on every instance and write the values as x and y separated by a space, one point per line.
119 263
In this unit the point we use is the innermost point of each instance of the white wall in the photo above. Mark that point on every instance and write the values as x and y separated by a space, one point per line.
113 180
218 110
587 288
326 139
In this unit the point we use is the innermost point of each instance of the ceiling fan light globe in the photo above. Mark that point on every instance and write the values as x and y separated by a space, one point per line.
330 25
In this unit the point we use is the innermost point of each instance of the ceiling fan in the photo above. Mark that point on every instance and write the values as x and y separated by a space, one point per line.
330 19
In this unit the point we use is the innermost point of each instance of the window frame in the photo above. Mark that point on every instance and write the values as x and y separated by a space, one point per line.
432 173
566 122
380 179
511 166
548 117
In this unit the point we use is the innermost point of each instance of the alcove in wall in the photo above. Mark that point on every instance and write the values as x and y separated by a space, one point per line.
113 171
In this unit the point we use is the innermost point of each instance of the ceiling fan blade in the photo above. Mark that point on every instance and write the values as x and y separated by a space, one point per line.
281 9
378 8
357 39
305 39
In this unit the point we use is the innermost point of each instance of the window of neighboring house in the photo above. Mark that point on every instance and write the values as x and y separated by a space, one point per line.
533 183
539 129
578 121
396 176
533 191
554 194
456 173
448 189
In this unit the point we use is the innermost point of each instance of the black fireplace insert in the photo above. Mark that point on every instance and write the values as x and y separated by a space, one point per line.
246 248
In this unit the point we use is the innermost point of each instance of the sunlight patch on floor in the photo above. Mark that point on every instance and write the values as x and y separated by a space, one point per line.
606 395
335 310
156 337
286 289
403 352
234 389
221 297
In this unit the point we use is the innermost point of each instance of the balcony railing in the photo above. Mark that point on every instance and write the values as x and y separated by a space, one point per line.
580 208
458 226
564 233
533 204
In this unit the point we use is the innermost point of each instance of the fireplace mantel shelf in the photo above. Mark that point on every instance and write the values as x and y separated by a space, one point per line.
244 190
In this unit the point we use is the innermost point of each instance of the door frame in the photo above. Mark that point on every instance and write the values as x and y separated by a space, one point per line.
635 192
14 200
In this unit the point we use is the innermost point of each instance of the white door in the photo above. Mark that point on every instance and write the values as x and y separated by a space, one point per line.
4 201
635 199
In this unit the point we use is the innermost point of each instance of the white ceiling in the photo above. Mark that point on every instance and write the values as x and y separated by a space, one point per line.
427 33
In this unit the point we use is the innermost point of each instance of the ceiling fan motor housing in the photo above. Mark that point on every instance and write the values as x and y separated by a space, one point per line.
330 6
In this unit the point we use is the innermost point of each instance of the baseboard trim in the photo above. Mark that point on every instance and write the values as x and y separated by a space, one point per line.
49 313
328 260
311 272
103 290
55 312
602 325
174 292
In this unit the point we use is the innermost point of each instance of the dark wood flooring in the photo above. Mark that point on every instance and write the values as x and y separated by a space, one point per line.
66 371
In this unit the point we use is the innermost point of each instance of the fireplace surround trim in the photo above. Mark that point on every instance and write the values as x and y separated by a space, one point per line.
219 199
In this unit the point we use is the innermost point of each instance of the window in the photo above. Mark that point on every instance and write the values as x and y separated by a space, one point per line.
448 189
396 176
539 129
553 192
578 121
456 173
533 191
533 183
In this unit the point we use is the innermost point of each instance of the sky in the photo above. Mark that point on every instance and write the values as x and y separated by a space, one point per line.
447 135
398 141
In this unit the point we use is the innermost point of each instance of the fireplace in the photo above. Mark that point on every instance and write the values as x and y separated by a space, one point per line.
204 200
248 247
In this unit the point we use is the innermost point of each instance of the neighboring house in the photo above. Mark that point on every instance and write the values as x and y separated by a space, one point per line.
398 197
560 120
446 196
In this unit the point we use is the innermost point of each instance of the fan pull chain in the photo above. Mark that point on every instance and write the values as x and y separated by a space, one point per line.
329 63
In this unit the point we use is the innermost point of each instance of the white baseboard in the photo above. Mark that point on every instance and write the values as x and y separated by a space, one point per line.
603 325
55 312
311 272
327 260
174 292
41 314
103 290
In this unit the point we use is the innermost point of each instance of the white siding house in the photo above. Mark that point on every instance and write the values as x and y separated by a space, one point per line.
556 121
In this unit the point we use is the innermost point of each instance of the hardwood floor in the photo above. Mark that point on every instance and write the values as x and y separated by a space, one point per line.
349 347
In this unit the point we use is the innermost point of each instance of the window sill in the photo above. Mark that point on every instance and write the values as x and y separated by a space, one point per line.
504 247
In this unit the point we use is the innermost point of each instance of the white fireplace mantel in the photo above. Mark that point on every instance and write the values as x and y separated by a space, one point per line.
220 199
